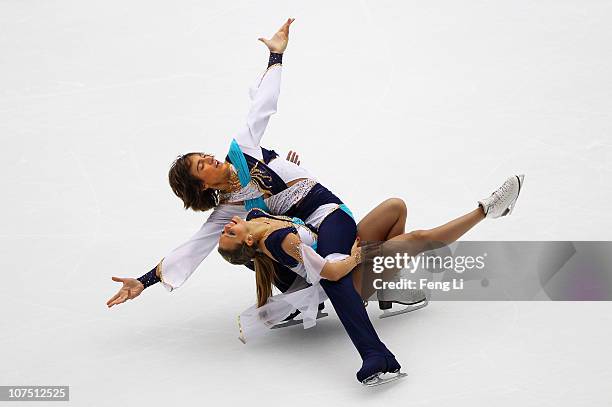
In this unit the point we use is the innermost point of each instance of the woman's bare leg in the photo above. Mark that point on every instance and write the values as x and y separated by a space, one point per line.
373 226
448 233
382 223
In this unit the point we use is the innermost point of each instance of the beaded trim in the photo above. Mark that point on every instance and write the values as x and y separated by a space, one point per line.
287 219
282 201
149 278
275 58
161 274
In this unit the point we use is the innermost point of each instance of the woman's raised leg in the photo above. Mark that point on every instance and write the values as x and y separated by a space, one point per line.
384 222
421 240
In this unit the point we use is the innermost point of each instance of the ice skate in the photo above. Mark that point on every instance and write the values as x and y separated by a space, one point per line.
406 300
387 370
502 201
383 378
291 321
411 300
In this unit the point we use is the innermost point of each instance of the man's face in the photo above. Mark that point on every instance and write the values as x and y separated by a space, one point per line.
212 173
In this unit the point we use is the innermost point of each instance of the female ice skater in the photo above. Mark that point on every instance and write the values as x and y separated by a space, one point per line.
265 238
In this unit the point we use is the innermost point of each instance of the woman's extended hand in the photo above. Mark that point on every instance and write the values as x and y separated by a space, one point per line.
130 290
278 43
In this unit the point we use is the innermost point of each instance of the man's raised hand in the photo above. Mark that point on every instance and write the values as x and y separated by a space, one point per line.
278 43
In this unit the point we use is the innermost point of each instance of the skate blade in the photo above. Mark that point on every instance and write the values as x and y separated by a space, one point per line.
409 308
513 204
293 322
521 179
377 379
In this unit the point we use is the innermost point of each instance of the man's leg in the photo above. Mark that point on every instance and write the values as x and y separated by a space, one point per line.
336 235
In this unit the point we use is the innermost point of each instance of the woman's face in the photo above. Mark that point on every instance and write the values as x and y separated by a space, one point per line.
212 173
235 233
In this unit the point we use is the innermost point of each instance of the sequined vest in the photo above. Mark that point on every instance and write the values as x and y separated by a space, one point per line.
267 181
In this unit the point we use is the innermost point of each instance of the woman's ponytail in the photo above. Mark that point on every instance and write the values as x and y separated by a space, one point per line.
264 277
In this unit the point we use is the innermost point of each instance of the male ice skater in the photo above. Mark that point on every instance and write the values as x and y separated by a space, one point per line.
204 183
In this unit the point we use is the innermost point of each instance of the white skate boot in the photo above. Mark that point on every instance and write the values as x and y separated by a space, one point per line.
502 201
412 299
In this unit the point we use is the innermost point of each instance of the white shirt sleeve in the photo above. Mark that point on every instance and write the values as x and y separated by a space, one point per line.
264 100
181 262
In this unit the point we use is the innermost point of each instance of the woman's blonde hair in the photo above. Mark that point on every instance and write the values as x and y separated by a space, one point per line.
264 268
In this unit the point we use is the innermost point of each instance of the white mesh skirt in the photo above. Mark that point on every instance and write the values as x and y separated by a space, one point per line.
255 321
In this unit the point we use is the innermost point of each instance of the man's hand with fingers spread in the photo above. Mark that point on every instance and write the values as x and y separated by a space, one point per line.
278 43
293 157
130 290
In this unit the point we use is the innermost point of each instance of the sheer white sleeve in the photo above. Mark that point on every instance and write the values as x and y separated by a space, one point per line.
314 263
264 95
181 262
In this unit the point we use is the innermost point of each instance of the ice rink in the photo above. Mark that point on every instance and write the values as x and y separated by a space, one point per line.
433 102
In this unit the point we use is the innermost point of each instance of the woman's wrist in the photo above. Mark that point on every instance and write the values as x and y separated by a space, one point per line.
357 257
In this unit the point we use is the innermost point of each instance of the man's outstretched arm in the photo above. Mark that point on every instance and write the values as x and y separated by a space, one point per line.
180 263
265 92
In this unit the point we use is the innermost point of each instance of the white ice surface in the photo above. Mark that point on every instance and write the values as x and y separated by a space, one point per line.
434 102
